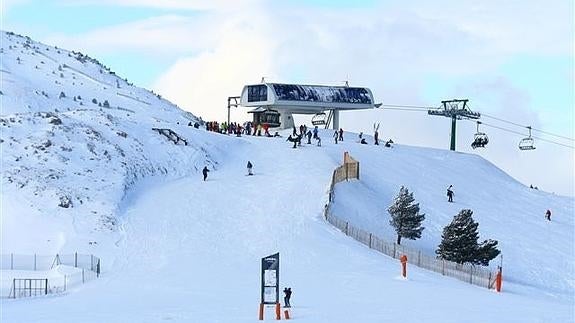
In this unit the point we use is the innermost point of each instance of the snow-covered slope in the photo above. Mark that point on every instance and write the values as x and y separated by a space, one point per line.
76 137
189 251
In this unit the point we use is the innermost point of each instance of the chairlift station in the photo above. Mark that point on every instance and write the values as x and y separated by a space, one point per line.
275 103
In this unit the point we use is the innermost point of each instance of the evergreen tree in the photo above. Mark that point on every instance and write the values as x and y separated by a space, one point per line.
405 217
459 242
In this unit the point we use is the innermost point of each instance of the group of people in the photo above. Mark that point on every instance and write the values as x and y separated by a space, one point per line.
247 128
304 132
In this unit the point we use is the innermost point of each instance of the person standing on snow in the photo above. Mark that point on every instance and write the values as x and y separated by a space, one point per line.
340 134
450 193
250 168
205 172
335 136
548 215
308 137
287 292
315 132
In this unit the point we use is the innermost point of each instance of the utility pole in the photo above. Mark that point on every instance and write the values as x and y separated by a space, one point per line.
234 104
456 110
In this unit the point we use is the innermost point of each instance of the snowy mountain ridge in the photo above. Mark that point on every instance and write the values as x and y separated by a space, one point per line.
75 135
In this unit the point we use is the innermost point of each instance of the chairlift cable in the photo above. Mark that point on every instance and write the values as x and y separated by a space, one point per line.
407 106
522 134
405 109
519 125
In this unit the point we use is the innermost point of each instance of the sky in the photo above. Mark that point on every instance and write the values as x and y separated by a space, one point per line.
513 60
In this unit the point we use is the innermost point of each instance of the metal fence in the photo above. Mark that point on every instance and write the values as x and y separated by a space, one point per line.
472 274
19 271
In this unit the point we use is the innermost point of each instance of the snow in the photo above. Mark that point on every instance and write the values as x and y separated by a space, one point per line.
176 248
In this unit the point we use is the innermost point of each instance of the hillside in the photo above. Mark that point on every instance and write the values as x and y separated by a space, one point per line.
175 248
76 137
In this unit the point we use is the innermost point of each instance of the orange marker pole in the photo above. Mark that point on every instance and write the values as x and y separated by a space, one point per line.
403 260
498 280
278 312
286 314
261 311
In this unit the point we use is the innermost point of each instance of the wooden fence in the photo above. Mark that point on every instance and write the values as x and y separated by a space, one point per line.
476 275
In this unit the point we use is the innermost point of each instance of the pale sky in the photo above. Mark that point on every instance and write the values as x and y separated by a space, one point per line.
514 60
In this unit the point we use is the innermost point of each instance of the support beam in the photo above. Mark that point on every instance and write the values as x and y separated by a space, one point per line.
454 109
335 119
453 133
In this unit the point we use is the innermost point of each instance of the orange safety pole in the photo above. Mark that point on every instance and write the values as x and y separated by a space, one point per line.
403 260
498 280
286 314
261 311
278 312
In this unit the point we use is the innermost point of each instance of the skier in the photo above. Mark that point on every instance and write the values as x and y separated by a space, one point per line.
205 172
548 215
309 137
292 139
250 168
450 193
287 292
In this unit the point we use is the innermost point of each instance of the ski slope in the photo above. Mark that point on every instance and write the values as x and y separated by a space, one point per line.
189 251
175 248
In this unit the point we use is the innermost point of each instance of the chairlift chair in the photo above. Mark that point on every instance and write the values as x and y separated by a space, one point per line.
318 119
527 143
480 139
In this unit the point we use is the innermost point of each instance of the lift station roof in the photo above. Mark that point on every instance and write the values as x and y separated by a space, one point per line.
306 99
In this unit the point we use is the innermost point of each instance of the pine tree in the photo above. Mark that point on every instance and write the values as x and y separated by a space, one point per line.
405 217
459 242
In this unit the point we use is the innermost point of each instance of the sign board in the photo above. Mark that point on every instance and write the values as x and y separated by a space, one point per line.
270 279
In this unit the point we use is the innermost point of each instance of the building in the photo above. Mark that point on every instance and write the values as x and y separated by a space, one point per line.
275 103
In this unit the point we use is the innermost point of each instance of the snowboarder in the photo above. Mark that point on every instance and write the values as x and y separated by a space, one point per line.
363 142
318 141
335 136
450 193
250 168
548 215
205 172
287 292
340 134
389 143
315 130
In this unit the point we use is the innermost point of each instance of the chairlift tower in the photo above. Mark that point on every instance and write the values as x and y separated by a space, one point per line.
456 110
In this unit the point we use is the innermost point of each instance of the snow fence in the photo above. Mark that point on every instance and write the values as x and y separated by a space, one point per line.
476 275
35 275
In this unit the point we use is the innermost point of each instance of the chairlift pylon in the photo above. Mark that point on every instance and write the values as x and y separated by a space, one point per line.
527 143
318 119
480 139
